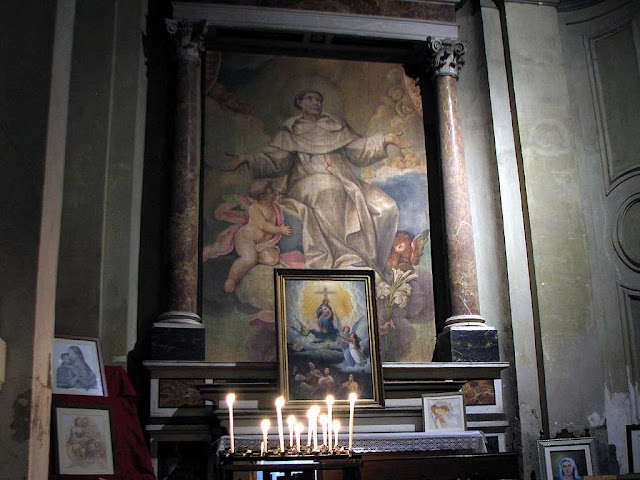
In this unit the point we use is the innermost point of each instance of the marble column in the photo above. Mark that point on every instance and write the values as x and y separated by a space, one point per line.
179 334
464 326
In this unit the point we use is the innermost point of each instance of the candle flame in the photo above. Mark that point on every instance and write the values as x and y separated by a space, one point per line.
230 399
265 425
330 400
280 402
336 425
353 397
299 428
323 419
291 420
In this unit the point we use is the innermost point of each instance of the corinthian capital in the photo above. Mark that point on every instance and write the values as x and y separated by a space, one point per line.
188 38
444 57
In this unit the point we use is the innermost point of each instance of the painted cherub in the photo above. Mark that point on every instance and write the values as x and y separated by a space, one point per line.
407 250
255 241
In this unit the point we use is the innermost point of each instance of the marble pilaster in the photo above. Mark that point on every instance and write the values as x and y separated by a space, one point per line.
464 331
181 325
444 64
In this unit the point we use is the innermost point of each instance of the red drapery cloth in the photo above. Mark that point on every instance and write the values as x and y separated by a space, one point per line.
130 452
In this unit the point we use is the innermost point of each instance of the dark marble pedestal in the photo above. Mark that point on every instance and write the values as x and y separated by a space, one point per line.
468 343
176 341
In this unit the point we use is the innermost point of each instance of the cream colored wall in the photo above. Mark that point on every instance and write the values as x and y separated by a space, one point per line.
34 109
601 46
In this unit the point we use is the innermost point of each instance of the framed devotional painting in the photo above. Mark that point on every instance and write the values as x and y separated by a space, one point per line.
566 457
312 163
328 336
78 367
83 440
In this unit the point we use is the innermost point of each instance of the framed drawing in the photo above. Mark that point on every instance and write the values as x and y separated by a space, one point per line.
312 163
328 336
78 367
443 412
83 440
566 457
633 447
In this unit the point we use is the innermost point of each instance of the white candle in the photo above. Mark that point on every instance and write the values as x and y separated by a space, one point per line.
323 422
336 429
279 405
265 432
329 401
315 410
261 449
310 427
291 421
299 427
352 404
230 399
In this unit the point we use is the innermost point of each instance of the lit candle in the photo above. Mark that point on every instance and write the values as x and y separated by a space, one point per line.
352 404
329 401
310 427
299 427
336 429
291 421
230 399
323 422
261 449
315 410
279 405
265 431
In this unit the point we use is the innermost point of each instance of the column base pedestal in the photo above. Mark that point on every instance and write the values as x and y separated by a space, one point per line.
178 341
468 342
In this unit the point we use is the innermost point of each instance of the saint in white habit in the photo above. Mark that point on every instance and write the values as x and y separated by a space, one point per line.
346 221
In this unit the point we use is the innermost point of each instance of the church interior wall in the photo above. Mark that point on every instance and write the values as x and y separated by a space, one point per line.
98 274
560 238
484 192
33 109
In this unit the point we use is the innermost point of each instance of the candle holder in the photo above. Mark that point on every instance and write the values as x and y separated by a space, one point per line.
306 451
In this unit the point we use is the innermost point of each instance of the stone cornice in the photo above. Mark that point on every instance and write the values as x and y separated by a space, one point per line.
250 17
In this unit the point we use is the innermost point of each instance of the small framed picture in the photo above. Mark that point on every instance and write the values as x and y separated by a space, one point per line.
633 447
83 440
565 457
328 336
443 412
77 366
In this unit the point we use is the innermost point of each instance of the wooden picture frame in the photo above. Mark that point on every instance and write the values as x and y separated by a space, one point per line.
328 336
443 412
576 453
633 447
77 366
83 440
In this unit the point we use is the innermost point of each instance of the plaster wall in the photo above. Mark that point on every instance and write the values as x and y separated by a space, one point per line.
33 109
558 236
98 272
485 198
526 399
599 52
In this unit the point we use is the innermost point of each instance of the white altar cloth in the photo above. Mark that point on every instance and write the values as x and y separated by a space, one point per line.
471 440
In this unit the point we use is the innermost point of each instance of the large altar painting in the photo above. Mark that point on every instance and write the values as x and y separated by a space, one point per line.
313 163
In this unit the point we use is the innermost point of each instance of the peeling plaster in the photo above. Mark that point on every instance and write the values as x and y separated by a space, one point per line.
21 417
618 408
595 420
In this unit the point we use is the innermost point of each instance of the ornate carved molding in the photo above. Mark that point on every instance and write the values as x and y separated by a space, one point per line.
444 57
188 38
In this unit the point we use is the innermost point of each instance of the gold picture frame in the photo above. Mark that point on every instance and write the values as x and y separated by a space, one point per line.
328 337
